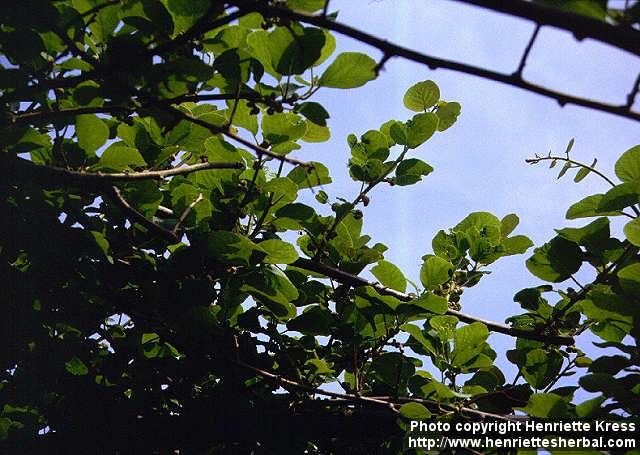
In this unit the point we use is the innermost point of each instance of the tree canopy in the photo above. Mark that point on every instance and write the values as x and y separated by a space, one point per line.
176 279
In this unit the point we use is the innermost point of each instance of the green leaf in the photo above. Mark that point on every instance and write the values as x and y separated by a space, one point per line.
421 96
565 168
435 271
419 336
389 275
278 252
483 222
628 165
610 310
420 128
322 197
508 224
287 50
448 114
583 172
546 405
620 197
232 248
556 260
316 133
314 112
273 288
541 367
411 171
594 235
283 127
315 320
570 146
328 48
318 367
149 338
91 131
119 157
185 13
590 408
76 367
629 279
445 326
349 70
414 411
632 231
308 178
468 342
283 190
517 244
432 303
588 207
102 243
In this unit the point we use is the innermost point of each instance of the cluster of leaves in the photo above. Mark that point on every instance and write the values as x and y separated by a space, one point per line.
135 302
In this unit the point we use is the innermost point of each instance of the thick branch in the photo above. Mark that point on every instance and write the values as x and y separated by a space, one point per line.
355 280
581 26
390 49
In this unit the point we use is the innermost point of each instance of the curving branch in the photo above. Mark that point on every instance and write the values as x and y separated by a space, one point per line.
393 50
354 280
26 168
388 402
42 115
139 218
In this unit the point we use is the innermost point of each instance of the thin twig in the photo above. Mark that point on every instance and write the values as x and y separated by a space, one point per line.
536 160
140 218
527 51
186 212
631 97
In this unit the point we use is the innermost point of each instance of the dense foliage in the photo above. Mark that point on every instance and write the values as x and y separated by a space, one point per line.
174 280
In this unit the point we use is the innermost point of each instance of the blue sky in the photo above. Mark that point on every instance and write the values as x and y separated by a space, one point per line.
479 162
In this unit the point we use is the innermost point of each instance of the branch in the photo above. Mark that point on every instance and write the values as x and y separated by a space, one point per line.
355 280
568 160
23 166
186 212
28 117
581 26
527 51
385 401
140 218
203 25
391 50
